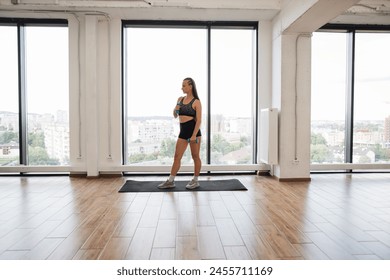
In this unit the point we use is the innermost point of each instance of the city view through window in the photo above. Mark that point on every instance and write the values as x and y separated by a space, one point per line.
9 116
371 117
157 61
46 95
153 82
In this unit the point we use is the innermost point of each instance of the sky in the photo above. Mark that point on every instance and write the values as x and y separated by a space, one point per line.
47 81
372 76
159 59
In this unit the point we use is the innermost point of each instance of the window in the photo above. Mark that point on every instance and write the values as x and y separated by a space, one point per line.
158 59
232 98
329 83
222 61
9 116
34 128
349 71
47 79
372 98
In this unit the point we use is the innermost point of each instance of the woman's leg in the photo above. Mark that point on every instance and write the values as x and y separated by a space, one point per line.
181 146
195 153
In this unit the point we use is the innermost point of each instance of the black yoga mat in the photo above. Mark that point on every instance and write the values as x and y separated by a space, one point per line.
212 185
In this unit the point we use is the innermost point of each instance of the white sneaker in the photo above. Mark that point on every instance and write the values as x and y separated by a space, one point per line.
193 184
166 185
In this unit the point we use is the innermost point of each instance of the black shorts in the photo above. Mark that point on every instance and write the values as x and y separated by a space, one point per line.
187 128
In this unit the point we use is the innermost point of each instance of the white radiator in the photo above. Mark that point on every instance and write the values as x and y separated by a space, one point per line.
269 136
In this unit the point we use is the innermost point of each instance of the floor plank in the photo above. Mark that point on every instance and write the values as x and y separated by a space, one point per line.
162 254
116 249
165 234
210 245
237 253
228 233
187 248
141 244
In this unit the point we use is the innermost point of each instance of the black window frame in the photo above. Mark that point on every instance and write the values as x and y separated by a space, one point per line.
351 30
209 25
20 24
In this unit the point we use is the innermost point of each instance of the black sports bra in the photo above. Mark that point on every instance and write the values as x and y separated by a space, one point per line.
186 109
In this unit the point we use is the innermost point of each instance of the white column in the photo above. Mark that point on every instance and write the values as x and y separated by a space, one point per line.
291 95
91 98
109 61
76 135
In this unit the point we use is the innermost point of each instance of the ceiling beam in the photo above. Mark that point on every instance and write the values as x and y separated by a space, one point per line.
309 15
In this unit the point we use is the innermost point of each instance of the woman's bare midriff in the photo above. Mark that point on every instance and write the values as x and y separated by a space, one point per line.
184 119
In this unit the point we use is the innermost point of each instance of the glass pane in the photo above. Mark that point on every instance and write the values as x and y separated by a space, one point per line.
9 112
157 61
232 92
47 95
329 82
371 135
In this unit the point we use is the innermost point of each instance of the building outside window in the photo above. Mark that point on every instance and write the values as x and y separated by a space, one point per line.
9 115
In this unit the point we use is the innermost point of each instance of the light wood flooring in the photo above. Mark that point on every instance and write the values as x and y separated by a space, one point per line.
335 216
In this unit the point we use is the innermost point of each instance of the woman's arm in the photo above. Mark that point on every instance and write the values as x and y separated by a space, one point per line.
177 107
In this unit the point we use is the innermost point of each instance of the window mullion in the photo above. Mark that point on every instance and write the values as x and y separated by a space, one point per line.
22 95
208 148
255 103
350 98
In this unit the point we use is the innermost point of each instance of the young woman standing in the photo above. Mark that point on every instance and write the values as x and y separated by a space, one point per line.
189 111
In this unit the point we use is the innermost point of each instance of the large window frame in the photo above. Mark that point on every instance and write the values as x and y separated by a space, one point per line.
209 26
351 31
21 24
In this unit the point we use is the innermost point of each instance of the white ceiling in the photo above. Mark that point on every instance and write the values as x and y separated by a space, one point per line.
231 4
365 12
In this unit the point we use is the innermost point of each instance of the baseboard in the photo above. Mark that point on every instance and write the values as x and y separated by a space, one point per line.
78 174
294 179
263 173
268 174
93 177
101 175
111 175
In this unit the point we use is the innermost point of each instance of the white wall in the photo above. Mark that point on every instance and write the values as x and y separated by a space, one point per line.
95 103
291 81
95 74
95 86
291 95
96 137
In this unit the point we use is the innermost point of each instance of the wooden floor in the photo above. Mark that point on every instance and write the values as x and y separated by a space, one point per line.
335 216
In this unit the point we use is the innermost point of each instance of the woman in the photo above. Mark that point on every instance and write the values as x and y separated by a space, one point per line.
189 111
